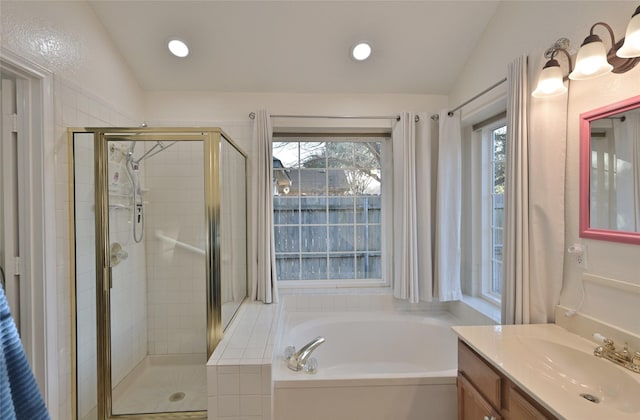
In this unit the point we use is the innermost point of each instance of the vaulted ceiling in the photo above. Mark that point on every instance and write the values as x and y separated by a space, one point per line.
419 47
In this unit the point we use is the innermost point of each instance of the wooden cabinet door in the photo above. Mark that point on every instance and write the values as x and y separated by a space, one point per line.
471 405
521 409
477 371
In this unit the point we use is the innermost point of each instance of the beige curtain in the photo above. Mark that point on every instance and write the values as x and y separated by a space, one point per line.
405 255
448 209
626 200
412 238
264 282
534 201
426 155
515 278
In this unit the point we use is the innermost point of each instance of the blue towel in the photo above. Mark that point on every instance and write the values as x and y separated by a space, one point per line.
20 397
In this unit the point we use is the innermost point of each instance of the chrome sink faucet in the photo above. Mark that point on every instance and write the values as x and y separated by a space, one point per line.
299 360
624 358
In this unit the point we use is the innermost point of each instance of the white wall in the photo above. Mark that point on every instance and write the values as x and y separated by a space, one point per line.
92 87
205 105
605 259
231 110
530 28
67 39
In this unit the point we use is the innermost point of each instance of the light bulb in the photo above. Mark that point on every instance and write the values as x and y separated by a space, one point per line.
361 51
178 48
550 82
631 46
591 60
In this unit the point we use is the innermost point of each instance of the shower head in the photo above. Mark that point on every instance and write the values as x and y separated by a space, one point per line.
157 148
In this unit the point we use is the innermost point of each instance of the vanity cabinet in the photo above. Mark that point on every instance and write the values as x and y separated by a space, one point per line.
486 394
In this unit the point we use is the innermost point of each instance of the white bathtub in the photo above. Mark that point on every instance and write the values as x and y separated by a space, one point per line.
372 366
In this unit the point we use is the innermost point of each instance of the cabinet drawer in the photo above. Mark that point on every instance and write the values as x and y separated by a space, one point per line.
480 374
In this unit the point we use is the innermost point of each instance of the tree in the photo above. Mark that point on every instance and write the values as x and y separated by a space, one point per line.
360 161
499 154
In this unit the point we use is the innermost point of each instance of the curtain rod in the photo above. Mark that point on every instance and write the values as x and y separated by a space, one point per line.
468 101
252 115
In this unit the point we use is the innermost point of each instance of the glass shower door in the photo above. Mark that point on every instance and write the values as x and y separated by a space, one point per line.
158 295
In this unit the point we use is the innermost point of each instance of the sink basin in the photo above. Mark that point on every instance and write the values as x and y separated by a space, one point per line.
581 375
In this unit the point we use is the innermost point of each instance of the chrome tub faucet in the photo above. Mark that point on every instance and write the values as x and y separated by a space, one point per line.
301 359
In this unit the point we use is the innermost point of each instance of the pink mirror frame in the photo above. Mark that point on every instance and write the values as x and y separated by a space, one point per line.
586 231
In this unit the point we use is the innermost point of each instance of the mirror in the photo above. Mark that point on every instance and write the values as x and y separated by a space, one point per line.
610 172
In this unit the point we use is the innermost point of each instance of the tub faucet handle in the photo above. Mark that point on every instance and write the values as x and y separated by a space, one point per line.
311 366
298 360
289 351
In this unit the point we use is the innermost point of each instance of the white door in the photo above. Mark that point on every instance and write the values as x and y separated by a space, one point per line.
10 194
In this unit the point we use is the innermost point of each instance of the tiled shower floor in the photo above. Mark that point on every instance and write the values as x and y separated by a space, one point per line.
158 383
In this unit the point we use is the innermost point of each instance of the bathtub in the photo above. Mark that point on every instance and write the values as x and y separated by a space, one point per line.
372 366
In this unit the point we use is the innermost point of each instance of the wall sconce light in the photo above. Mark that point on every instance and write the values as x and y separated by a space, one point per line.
631 46
551 79
592 56
593 59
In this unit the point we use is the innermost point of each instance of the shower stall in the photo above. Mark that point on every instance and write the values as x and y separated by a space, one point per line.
160 266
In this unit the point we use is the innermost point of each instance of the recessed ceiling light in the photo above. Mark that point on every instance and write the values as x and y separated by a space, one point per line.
178 48
361 51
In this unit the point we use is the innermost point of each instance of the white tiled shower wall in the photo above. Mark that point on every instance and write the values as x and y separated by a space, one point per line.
239 371
75 107
176 293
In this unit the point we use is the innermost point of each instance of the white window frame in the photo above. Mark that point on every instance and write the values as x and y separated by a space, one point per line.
386 217
487 227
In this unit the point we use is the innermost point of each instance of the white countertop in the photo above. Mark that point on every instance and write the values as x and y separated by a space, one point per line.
523 354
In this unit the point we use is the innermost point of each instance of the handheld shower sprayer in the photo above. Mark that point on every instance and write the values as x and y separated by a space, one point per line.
133 168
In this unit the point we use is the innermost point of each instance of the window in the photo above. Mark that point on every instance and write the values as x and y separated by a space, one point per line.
328 205
494 138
